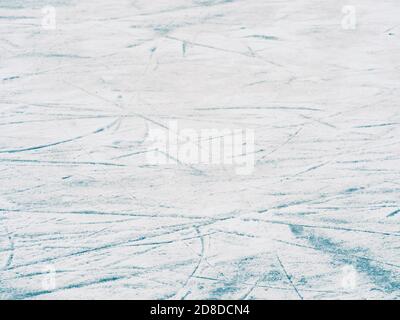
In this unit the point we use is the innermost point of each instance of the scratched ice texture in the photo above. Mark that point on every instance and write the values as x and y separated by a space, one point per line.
79 203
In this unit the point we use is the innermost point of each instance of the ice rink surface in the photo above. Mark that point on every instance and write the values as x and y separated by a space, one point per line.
84 215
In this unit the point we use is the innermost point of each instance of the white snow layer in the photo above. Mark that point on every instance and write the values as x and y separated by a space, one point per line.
84 215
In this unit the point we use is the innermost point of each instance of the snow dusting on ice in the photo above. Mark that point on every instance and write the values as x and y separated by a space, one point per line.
85 215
